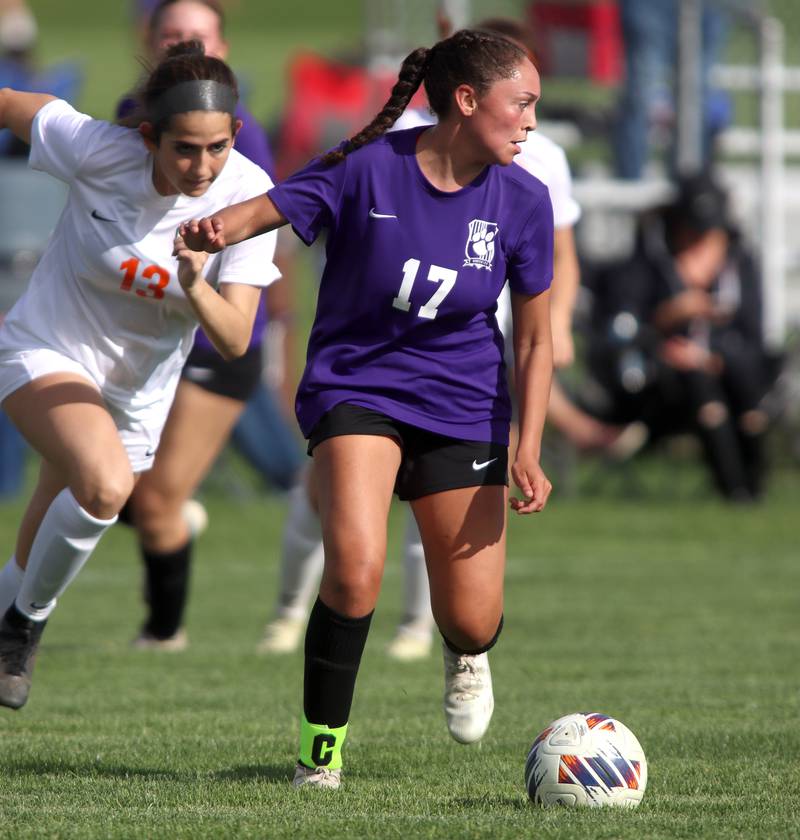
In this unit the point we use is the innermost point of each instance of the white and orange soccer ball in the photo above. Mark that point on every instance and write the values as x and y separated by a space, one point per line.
586 759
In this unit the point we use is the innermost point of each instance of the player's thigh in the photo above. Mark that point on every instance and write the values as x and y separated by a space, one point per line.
64 418
198 426
464 535
354 478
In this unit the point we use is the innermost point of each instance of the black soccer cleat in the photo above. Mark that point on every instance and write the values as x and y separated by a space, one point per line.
19 641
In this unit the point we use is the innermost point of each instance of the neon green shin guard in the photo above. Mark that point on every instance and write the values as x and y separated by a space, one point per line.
320 745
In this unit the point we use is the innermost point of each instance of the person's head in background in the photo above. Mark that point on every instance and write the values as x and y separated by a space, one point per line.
174 21
18 32
698 229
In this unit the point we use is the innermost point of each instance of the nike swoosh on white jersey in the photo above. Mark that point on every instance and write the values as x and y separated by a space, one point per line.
374 215
96 215
482 466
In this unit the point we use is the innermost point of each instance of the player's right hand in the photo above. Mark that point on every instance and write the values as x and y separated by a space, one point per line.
203 234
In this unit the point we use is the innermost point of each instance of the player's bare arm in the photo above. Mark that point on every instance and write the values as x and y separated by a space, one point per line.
226 316
566 282
533 361
233 224
17 110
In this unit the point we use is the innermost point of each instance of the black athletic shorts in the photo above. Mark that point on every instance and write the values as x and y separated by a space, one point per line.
236 379
430 462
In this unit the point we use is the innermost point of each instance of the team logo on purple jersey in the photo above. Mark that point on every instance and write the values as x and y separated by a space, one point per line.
479 250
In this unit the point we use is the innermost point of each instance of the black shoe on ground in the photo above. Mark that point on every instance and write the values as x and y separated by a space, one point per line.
19 641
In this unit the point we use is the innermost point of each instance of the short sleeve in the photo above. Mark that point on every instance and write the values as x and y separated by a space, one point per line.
251 262
566 211
62 139
547 161
530 264
310 198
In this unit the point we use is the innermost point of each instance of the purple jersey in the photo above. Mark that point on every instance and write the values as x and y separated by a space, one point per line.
405 315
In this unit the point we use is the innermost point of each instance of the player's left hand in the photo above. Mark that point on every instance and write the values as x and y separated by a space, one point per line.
533 483
190 264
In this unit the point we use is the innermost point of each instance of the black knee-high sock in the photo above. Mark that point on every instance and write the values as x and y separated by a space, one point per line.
334 644
167 588
485 649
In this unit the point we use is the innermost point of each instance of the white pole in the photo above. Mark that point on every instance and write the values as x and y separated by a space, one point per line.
689 131
773 216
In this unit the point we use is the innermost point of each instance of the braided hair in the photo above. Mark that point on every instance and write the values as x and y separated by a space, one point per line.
472 57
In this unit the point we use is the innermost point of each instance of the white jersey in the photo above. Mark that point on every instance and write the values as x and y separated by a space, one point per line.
539 155
106 293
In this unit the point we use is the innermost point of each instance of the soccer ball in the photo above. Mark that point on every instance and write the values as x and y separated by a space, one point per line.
586 759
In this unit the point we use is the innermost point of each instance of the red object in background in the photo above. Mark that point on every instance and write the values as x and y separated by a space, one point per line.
327 101
578 38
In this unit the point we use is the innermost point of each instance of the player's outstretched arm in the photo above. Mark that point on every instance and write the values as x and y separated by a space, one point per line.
17 110
233 224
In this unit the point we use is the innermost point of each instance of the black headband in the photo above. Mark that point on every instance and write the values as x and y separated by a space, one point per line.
194 95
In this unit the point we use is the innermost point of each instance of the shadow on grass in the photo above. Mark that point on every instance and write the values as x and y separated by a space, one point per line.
280 773
273 773
491 802
88 768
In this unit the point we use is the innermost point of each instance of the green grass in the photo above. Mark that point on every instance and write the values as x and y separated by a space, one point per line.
678 616
647 601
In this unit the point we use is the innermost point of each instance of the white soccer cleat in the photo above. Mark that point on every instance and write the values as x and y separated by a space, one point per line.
410 644
282 635
468 698
319 777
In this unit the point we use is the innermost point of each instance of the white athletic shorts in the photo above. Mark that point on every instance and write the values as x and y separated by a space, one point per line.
139 435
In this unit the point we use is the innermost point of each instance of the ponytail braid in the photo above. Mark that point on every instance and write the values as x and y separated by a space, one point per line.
409 79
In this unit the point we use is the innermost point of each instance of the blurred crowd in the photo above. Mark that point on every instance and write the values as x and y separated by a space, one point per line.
669 337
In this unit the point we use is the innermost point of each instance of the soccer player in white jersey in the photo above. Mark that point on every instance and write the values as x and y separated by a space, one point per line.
404 388
91 354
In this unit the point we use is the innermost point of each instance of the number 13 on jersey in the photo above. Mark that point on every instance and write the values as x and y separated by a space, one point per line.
446 277
152 272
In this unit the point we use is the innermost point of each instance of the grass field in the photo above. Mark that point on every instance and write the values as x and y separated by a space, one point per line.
680 617
662 607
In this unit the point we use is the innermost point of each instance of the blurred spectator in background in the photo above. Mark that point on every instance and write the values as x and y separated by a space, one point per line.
18 38
648 98
18 70
679 340
212 393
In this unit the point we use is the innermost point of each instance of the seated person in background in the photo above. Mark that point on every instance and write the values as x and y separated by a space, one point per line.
679 342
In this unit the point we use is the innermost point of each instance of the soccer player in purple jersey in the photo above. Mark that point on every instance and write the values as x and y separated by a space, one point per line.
405 387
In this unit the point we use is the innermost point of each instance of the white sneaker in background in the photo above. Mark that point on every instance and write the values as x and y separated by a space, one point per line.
195 515
172 644
282 635
468 698
410 643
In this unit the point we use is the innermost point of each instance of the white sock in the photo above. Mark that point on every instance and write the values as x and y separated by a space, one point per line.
417 613
302 556
65 540
10 582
